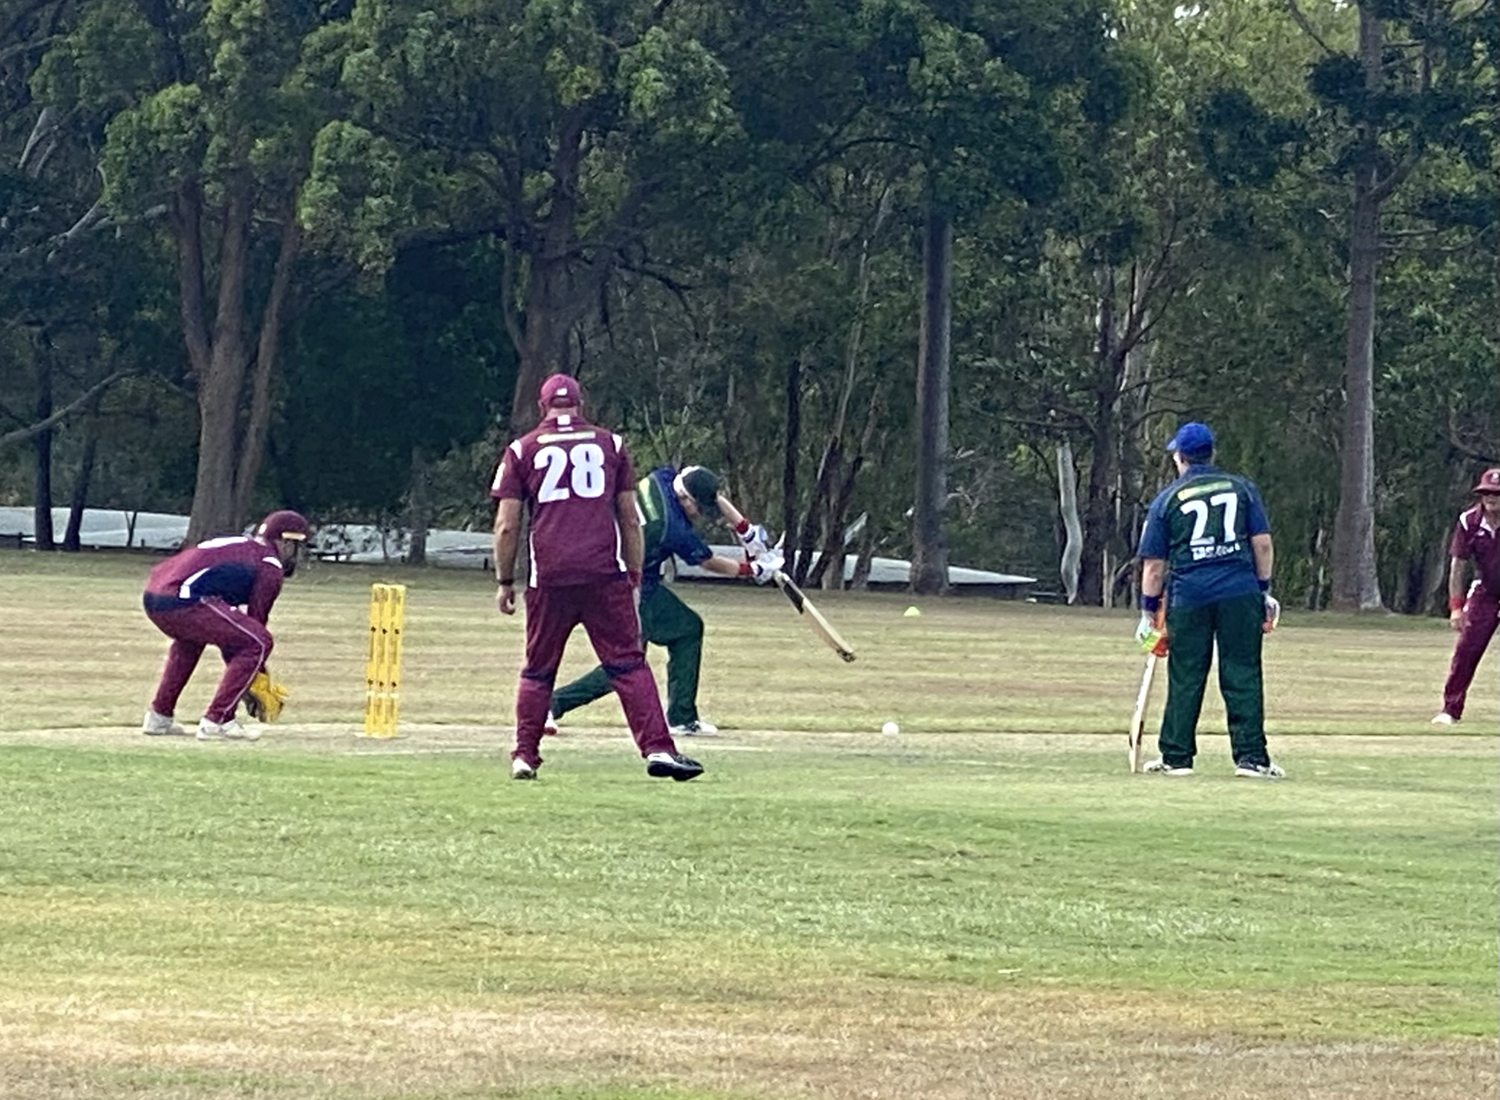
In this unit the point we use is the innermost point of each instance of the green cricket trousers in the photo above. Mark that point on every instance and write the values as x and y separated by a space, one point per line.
1235 627
665 621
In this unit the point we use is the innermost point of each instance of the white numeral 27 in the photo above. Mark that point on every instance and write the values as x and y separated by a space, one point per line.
1199 511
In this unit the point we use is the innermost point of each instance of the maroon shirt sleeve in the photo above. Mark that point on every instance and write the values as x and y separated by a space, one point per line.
1462 543
269 577
510 478
624 471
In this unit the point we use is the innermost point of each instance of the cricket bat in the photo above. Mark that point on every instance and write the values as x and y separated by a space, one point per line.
1138 719
813 617
1143 697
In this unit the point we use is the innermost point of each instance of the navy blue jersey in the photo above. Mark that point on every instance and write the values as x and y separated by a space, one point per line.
668 530
1201 524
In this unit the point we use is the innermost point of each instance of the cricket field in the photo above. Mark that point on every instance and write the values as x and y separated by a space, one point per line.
984 906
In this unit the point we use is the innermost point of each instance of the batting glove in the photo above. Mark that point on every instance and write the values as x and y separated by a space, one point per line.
756 540
764 568
1146 632
1273 613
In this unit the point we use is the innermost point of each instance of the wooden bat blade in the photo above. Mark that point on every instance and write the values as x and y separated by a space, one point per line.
814 618
1138 719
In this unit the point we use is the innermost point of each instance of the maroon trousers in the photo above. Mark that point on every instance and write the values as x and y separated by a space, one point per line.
607 612
1481 615
244 642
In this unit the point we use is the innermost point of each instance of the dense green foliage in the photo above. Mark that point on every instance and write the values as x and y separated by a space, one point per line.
712 212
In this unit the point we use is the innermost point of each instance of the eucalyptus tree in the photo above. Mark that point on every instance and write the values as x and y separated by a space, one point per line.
1420 78
76 291
205 117
555 127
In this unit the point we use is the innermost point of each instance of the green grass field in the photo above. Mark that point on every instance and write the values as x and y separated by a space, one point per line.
985 905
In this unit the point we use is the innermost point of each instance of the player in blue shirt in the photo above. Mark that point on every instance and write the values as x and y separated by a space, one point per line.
669 501
1209 529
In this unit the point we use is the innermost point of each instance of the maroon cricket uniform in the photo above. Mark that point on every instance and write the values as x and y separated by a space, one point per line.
194 598
1473 540
569 473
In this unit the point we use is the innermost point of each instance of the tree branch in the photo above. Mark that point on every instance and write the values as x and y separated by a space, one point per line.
21 435
1301 20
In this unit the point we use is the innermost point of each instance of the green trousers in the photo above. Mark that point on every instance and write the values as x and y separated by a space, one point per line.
1234 625
665 621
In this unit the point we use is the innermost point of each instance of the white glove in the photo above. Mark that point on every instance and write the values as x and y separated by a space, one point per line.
756 540
1273 613
765 567
1146 632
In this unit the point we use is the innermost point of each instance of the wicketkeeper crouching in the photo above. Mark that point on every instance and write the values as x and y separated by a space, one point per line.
220 593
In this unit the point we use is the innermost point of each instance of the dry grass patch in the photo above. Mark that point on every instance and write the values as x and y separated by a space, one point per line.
943 1046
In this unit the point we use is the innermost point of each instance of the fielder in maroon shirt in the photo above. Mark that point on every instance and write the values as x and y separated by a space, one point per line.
219 593
1473 611
586 552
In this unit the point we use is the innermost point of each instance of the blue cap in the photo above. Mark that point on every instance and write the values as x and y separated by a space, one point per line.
1193 440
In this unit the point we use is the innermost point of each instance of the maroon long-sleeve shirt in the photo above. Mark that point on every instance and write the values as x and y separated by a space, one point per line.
241 571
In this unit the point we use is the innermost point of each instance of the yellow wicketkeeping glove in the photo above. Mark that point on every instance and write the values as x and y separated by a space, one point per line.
265 698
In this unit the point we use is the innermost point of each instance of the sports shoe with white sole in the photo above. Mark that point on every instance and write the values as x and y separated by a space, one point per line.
695 728
1246 770
673 765
161 725
519 769
228 731
1161 767
549 727
1443 718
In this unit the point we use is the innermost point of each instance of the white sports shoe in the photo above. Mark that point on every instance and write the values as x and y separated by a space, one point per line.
1443 718
161 725
519 769
697 728
229 731
549 727
1161 767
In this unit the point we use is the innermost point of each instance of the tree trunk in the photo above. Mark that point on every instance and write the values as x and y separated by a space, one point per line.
829 573
550 299
268 347
73 537
807 539
1067 500
219 385
789 453
419 507
1356 585
1098 514
929 560
41 445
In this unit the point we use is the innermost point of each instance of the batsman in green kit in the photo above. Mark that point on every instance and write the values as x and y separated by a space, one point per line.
1208 529
668 501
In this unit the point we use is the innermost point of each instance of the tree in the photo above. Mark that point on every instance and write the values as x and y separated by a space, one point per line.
1395 99
387 383
205 114
553 127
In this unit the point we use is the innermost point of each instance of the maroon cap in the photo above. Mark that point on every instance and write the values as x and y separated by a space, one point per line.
1489 481
284 524
560 391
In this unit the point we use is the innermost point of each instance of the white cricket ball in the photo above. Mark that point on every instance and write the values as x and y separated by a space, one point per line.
891 728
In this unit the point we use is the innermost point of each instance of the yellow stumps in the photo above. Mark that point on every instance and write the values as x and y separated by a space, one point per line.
383 668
